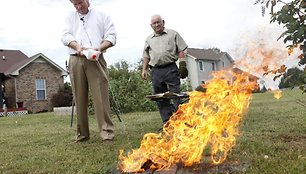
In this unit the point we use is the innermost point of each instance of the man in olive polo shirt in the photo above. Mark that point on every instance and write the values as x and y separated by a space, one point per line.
162 49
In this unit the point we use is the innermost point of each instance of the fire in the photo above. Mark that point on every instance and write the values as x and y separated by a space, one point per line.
208 121
277 94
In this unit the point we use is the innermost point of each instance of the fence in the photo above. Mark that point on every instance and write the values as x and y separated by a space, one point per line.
14 112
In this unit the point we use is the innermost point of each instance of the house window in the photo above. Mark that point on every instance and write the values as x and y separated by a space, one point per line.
201 66
40 89
213 66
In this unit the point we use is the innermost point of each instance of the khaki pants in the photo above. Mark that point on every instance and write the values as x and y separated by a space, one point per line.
85 74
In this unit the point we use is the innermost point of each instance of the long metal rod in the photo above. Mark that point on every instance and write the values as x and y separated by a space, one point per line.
116 107
72 113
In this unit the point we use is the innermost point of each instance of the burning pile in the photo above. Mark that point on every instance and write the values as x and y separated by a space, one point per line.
208 121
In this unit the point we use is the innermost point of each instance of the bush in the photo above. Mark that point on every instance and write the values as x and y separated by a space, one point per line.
62 98
128 90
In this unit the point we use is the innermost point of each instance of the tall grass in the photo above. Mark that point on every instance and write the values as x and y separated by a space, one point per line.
272 140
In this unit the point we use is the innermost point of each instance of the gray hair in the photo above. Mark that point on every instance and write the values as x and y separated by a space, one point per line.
156 16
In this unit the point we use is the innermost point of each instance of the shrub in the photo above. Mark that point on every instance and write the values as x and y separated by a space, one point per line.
62 98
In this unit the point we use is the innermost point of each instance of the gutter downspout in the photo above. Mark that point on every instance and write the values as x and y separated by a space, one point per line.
15 81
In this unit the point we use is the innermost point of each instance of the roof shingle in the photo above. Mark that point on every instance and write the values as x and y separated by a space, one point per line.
205 54
11 59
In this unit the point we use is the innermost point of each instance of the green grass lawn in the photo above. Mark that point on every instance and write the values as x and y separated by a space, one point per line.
272 140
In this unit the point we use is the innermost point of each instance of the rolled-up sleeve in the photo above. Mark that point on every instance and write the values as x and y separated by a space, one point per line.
67 36
110 31
145 53
181 44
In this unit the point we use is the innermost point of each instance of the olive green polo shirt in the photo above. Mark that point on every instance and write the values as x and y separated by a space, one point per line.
163 49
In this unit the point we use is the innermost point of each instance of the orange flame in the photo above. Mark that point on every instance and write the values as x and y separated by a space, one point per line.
277 94
208 121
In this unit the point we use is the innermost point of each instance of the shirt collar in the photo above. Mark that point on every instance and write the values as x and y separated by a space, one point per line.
165 31
89 10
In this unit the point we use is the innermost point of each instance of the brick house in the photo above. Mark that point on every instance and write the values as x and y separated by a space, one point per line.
29 82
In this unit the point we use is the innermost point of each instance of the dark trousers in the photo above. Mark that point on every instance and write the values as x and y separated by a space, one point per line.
166 79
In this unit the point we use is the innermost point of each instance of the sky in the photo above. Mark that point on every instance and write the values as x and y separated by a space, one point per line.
35 26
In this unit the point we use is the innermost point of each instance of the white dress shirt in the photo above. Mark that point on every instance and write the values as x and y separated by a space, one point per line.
88 30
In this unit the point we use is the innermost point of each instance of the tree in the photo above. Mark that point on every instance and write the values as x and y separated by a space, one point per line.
293 77
127 89
292 16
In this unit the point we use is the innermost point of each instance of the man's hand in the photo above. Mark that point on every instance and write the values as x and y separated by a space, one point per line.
145 68
183 69
144 74
77 47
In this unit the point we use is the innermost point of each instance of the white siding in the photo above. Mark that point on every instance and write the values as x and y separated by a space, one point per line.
197 76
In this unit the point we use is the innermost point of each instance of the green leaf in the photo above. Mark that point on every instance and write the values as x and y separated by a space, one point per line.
267 4
256 2
276 77
282 35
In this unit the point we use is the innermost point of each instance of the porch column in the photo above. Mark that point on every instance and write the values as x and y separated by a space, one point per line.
1 98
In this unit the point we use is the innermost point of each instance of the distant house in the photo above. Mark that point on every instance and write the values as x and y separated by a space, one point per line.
29 82
202 62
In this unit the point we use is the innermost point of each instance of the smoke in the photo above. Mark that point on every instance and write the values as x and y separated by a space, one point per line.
261 49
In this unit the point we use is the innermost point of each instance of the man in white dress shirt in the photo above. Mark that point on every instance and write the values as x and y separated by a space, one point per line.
88 28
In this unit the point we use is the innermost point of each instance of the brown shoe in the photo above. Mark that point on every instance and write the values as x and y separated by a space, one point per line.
81 139
108 141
